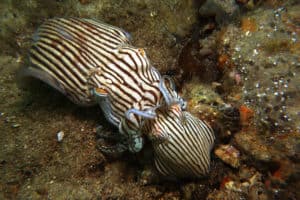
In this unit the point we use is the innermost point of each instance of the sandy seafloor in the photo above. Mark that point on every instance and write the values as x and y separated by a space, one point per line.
240 53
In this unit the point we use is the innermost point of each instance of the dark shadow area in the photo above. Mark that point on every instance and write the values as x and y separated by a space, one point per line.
37 95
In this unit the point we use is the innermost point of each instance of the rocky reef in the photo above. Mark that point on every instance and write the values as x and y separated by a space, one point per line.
237 64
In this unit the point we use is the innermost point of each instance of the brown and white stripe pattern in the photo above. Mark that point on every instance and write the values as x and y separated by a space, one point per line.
76 56
81 54
182 143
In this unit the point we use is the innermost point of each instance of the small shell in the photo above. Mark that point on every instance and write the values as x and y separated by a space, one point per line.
60 136
229 154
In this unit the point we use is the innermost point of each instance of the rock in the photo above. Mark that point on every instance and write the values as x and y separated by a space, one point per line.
199 60
228 154
200 192
249 187
225 195
268 149
252 145
263 52
60 136
277 157
223 10
258 192
202 100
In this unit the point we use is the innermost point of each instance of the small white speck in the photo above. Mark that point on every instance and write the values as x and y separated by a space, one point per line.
226 41
261 27
237 48
60 136
16 125
153 14
255 52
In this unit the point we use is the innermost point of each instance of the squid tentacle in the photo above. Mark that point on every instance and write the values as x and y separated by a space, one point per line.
150 114
169 98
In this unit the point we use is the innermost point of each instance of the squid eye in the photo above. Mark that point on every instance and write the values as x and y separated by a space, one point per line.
183 103
169 92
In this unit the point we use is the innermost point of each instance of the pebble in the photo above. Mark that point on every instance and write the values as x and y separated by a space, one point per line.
16 125
251 144
60 136
228 154
10 119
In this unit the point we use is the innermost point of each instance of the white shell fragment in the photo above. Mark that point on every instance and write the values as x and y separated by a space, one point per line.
16 125
60 136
